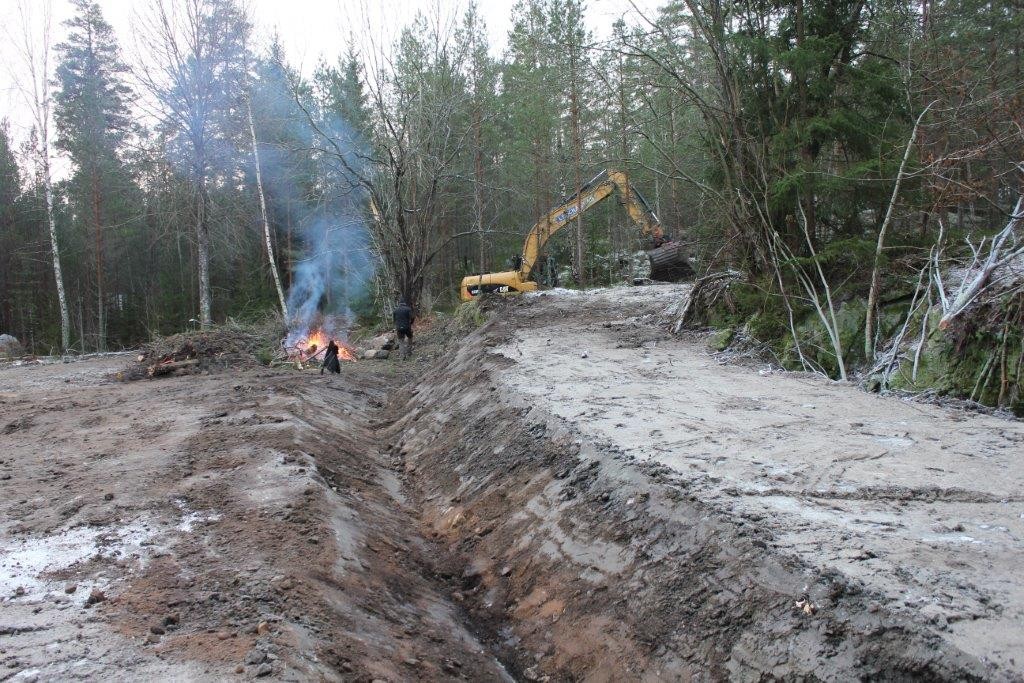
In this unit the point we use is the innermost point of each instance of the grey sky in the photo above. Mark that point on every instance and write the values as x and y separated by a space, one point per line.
308 29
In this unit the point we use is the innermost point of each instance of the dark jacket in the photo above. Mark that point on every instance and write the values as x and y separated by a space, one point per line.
331 359
403 317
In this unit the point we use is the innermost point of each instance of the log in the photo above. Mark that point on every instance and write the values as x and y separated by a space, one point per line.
168 368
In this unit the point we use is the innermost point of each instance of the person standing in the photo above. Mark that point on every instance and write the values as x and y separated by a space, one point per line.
331 359
403 327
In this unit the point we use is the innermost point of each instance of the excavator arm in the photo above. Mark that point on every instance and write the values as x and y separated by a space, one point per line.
590 195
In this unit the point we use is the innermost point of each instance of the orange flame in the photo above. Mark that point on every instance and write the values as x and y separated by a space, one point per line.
314 345
316 341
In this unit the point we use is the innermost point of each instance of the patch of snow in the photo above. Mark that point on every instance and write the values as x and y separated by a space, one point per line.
25 562
190 518
556 291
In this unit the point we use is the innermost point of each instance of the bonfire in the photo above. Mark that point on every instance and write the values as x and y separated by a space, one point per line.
308 345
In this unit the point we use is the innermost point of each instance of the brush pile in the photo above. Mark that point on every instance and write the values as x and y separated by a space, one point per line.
706 293
197 352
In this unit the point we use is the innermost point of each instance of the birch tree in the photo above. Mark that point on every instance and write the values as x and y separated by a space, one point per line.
33 48
269 243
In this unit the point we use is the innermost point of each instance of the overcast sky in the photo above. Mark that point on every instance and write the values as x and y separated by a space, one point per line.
308 29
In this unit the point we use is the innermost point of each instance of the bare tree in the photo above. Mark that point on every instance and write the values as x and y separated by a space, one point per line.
869 319
33 47
416 93
194 69
1004 247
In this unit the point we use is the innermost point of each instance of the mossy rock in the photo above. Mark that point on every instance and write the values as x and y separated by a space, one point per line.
933 371
963 369
767 326
816 343
720 340
1017 407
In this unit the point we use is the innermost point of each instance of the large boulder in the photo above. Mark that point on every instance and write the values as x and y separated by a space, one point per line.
375 354
10 347
383 342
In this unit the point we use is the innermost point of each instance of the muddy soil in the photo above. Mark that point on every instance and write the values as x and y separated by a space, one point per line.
570 493
208 527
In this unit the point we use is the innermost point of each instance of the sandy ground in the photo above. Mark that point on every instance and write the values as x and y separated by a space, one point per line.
923 504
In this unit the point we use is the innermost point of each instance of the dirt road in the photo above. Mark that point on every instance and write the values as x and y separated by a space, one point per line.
922 505
570 493
639 510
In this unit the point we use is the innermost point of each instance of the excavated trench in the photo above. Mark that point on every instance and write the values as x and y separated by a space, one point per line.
577 562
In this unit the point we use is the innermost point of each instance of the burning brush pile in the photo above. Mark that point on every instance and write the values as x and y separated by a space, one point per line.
306 344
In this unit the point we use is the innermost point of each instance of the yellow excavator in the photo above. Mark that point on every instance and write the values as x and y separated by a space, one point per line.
668 260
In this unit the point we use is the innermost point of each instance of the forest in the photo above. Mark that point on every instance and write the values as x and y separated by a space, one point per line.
846 174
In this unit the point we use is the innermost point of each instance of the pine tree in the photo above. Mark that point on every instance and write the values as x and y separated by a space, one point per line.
531 105
197 72
93 120
342 91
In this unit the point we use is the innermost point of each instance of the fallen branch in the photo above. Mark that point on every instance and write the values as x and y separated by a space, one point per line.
1002 249
686 308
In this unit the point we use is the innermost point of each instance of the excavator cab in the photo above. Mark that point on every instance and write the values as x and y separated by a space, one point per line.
667 258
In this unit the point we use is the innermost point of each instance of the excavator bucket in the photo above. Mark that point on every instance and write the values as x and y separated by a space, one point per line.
669 263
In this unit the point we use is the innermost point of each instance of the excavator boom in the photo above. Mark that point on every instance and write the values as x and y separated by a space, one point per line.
667 258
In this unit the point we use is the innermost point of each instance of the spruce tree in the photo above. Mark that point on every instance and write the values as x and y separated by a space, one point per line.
10 189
